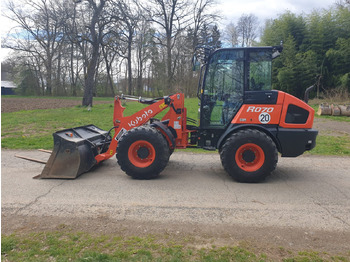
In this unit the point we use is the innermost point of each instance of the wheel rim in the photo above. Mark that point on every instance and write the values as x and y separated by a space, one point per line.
250 157
141 153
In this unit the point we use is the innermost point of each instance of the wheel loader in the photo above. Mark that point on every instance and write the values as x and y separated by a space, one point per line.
239 115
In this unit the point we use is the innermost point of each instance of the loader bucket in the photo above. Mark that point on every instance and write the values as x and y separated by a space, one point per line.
74 151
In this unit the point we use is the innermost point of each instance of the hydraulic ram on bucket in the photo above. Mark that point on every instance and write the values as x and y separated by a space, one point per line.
74 151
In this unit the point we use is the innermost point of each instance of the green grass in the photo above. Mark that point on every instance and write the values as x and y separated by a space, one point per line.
33 129
79 246
332 145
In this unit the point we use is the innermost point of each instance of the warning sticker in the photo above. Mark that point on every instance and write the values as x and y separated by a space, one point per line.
177 125
163 105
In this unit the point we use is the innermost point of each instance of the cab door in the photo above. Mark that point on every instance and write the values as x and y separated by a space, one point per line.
223 88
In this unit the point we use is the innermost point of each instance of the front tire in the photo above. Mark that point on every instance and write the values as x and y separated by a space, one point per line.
143 152
249 156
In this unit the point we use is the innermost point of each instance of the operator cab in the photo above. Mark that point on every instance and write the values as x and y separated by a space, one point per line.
233 77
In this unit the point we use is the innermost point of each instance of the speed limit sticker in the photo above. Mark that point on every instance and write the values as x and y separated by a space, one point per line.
264 118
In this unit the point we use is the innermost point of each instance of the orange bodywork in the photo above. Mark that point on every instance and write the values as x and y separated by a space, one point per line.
273 114
176 116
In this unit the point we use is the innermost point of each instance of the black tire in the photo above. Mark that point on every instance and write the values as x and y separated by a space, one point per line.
249 156
143 152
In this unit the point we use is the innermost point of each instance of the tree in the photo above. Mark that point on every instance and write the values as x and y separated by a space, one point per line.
171 17
128 16
287 24
40 33
231 34
247 29
143 37
202 18
94 36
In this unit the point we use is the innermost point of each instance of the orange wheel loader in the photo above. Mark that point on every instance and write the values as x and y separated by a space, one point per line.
240 116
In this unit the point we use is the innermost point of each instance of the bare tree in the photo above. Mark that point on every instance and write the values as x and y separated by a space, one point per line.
247 28
170 17
231 34
202 16
42 24
143 36
127 16
74 56
93 36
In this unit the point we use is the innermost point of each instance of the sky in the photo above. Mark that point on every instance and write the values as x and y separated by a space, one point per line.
231 10
266 9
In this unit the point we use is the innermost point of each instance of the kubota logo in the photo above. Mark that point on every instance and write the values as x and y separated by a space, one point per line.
138 119
260 109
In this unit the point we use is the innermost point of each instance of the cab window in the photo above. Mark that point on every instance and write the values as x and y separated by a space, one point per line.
259 70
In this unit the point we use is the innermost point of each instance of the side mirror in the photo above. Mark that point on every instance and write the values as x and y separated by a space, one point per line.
195 64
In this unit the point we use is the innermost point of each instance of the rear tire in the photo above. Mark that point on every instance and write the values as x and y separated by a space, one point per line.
249 156
143 152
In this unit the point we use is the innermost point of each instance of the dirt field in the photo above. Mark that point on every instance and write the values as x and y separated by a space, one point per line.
18 104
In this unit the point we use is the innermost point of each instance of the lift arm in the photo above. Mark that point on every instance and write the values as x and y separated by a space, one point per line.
176 115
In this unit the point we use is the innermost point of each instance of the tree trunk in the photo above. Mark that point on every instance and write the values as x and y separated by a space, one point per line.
49 77
89 78
130 87
95 42
169 66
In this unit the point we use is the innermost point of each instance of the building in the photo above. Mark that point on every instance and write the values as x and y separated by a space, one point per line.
8 88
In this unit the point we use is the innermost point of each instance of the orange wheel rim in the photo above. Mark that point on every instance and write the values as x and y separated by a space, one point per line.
141 153
250 157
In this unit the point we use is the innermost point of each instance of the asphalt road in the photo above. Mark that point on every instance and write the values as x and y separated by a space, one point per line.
311 192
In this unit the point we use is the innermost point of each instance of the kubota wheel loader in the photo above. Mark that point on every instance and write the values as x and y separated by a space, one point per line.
239 115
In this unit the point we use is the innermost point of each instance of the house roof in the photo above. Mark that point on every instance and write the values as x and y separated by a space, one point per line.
8 84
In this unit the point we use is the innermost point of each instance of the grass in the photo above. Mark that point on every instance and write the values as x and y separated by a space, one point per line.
33 129
79 246
332 145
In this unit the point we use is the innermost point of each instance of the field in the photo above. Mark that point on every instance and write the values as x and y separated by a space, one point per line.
14 104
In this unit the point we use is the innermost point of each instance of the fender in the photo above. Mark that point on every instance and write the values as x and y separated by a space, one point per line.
162 125
270 130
